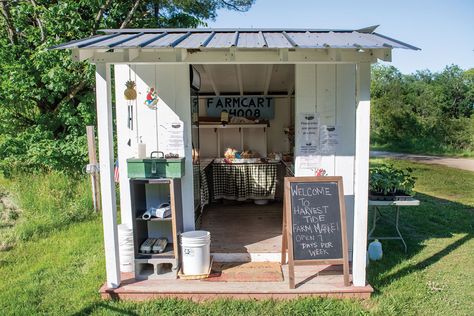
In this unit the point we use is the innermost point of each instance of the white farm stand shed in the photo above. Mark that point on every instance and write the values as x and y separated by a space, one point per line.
323 71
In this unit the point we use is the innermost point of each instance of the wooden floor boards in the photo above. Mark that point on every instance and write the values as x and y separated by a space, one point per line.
240 227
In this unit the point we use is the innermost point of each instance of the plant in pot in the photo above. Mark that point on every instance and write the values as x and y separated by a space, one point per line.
389 183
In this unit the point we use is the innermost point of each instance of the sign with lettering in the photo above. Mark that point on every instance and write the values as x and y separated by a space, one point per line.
260 107
314 224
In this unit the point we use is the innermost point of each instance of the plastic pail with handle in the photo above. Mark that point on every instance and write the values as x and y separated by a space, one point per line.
125 238
195 252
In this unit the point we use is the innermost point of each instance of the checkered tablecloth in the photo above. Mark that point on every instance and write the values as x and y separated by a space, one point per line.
201 189
244 181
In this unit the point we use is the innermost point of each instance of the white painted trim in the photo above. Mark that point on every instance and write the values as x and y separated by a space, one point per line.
271 56
124 151
268 79
238 70
361 178
106 162
208 72
247 257
230 126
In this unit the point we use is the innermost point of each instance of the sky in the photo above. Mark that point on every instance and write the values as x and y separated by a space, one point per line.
443 29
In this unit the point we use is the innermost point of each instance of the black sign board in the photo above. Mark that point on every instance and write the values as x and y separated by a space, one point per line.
314 223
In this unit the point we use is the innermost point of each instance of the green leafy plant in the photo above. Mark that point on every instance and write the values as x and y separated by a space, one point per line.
46 98
388 180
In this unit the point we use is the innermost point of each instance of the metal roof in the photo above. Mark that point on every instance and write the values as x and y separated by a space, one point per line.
239 38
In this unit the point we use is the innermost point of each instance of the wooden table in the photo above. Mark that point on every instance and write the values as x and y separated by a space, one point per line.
376 204
243 181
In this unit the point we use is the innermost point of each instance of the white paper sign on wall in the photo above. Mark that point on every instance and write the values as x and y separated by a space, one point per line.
171 138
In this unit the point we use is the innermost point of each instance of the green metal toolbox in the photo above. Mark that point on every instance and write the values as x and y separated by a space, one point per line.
155 167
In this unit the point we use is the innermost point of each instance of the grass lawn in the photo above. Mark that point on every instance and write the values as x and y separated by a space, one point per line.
60 272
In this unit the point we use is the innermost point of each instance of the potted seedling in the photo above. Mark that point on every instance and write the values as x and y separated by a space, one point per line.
389 183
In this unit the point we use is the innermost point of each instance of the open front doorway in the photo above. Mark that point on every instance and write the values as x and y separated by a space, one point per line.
241 158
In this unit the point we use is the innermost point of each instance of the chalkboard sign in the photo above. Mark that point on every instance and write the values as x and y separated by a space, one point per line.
314 223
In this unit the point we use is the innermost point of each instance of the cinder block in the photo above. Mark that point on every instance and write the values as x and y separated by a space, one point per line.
156 268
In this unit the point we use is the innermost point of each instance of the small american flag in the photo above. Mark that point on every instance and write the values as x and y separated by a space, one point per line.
116 172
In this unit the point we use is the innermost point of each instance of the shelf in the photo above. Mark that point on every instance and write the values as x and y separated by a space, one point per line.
152 180
154 219
168 253
201 125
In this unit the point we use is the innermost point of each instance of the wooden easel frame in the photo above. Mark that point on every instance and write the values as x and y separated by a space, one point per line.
287 235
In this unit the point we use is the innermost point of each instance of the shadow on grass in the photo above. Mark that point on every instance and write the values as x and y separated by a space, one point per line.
435 218
105 305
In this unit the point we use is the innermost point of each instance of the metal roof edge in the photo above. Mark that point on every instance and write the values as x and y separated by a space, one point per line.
224 30
368 29
397 41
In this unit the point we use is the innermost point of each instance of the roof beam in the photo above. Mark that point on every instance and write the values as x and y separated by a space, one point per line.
268 78
82 54
211 79
291 86
238 70
132 54
226 57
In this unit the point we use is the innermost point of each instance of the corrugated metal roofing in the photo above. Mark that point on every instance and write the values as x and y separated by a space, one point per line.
240 38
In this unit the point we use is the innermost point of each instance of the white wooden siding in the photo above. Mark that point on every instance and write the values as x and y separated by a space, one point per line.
329 91
172 86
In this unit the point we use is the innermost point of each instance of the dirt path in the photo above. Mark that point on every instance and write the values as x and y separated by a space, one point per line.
459 163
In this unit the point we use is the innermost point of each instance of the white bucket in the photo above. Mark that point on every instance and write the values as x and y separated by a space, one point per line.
195 252
125 238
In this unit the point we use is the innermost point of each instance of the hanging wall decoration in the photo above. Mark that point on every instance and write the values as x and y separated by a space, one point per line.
130 93
151 99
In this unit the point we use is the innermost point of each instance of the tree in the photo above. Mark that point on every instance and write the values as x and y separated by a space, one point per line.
423 111
46 99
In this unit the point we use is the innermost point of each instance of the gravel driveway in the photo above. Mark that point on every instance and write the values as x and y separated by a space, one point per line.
459 163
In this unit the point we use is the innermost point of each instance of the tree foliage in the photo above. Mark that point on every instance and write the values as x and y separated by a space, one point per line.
423 111
46 99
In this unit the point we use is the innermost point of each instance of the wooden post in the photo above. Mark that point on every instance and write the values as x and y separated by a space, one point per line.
107 184
95 183
361 178
284 240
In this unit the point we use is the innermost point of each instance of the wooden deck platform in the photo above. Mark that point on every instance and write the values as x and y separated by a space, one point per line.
243 231
311 281
250 232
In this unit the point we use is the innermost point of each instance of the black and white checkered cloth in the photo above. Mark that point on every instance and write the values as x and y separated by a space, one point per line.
201 189
244 181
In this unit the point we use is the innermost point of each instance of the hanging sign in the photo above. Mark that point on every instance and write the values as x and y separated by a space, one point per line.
307 135
260 107
314 224
307 147
171 138
328 139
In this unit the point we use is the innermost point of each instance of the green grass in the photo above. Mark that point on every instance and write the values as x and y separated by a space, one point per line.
46 202
61 272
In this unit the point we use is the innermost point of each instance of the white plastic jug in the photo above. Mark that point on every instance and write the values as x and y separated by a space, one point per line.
375 250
